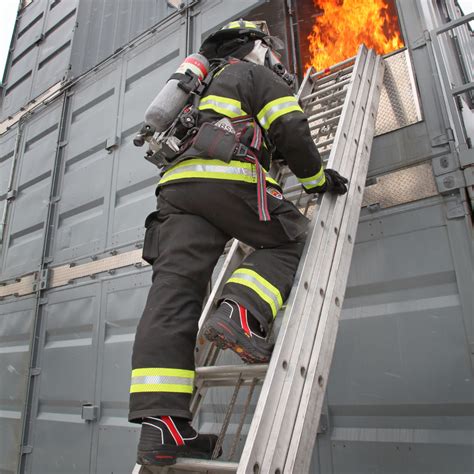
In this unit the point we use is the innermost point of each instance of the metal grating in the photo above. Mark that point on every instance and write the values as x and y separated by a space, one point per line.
402 186
399 104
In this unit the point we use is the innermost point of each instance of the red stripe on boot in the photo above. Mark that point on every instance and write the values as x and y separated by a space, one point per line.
243 320
178 439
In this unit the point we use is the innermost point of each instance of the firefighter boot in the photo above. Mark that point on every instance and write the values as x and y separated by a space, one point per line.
232 327
163 439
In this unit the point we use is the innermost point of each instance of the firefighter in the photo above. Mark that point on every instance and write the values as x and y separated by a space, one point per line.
203 201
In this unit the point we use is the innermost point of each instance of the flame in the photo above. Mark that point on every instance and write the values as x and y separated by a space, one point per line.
345 24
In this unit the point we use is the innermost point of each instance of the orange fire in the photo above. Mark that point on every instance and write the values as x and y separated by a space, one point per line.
344 24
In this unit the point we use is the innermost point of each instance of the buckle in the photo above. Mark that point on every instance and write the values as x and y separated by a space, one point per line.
240 150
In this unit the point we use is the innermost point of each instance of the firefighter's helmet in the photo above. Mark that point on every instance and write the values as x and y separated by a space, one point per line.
236 39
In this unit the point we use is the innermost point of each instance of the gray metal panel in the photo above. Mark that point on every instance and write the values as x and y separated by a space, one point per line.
55 50
87 170
68 361
41 51
401 389
16 323
7 151
105 26
402 147
107 109
24 240
145 71
123 301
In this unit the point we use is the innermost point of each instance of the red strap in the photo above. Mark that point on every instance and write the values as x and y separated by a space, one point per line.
243 319
263 212
178 439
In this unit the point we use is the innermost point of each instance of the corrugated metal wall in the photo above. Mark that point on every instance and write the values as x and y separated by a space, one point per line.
79 176
41 54
398 399
400 394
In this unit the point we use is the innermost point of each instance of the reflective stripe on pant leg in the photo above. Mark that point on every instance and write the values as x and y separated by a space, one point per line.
157 379
262 287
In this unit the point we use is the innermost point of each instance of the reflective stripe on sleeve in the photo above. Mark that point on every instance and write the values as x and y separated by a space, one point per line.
262 287
157 379
276 108
222 105
214 169
314 181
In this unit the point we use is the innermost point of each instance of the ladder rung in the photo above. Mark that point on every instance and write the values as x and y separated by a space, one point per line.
334 67
221 372
323 115
327 89
335 75
325 143
291 189
184 464
336 95
324 126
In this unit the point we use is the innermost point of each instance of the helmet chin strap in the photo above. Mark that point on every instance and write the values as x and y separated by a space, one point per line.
264 56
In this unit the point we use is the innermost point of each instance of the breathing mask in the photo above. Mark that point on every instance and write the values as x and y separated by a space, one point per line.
264 53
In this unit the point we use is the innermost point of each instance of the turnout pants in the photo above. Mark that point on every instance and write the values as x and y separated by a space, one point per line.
184 240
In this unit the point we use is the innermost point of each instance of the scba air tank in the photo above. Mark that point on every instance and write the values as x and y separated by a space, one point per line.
173 97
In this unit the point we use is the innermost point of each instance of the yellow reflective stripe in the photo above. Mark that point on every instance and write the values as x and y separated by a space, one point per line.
214 169
172 380
222 105
237 24
150 371
171 388
206 162
276 108
257 290
314 181
263 281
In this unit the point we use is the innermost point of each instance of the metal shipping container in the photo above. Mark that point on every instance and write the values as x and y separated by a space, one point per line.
74 193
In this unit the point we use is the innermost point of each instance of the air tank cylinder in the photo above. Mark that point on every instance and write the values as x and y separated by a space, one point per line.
173 97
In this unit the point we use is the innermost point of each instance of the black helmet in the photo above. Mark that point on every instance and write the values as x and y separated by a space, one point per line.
234 39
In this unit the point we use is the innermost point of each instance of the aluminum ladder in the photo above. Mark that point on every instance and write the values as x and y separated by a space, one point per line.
341 104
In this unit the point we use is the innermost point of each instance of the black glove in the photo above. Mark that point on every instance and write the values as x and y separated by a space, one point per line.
335 183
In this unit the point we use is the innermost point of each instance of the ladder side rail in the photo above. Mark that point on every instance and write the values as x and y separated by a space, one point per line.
232 260
197 465
268 400
285 417
307 85
309 411
206 353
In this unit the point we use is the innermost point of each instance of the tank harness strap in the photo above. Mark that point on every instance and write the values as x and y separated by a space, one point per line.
247 153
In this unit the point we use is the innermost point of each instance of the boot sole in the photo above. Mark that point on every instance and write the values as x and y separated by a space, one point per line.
225 334
167 456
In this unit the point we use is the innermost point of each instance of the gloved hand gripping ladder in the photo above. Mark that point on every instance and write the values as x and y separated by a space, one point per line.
341 105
